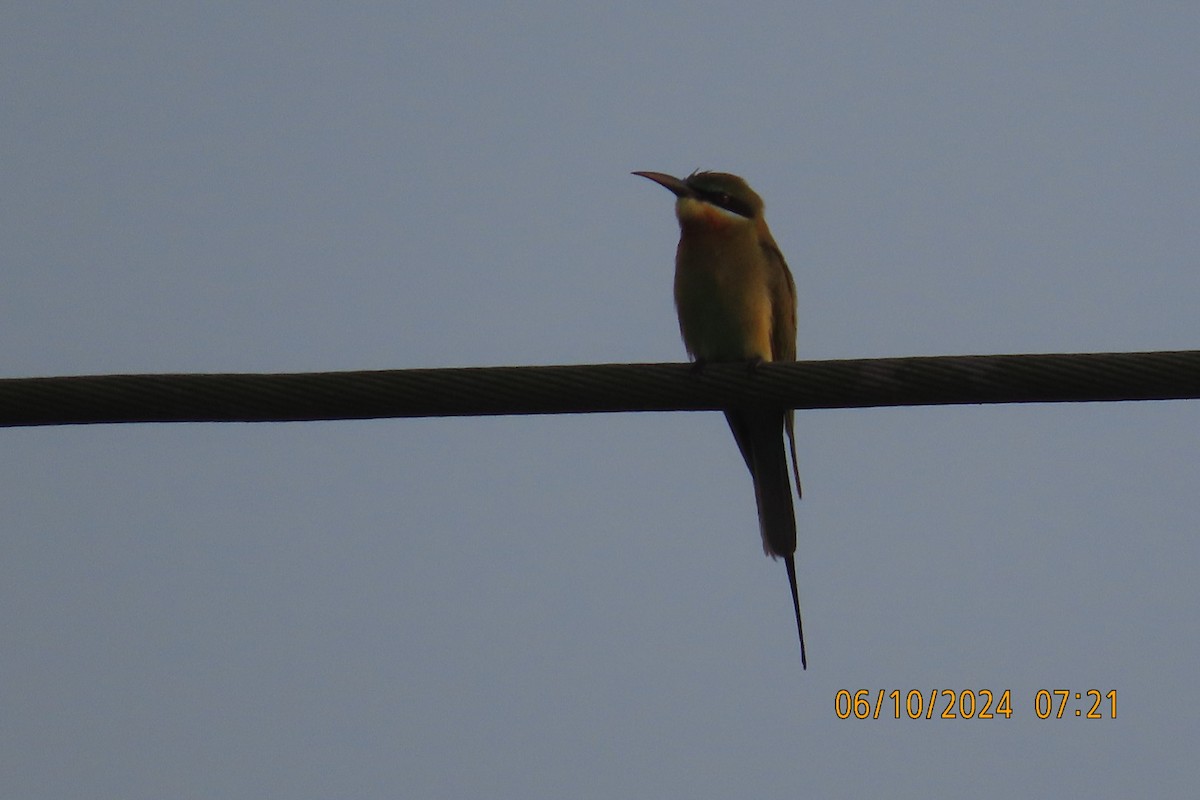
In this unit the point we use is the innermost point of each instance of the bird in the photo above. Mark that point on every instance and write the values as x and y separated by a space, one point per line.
736 301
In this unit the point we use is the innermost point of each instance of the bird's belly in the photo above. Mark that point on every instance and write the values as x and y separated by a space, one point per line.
723 316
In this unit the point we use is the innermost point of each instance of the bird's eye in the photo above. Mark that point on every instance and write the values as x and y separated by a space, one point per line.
726 201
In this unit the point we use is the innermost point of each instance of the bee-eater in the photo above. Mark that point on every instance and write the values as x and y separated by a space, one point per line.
736 302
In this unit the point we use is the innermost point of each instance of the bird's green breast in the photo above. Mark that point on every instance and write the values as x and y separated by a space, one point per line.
722 296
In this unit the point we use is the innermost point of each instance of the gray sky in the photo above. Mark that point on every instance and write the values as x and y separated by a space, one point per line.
579 606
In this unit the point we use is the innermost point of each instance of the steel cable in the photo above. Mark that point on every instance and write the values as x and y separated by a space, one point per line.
856 383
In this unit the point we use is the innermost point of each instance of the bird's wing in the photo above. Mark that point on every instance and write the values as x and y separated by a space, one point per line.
783 307
783 330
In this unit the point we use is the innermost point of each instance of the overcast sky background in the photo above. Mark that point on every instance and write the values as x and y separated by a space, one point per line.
578 606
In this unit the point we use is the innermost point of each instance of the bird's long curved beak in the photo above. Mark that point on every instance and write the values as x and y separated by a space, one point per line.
669 182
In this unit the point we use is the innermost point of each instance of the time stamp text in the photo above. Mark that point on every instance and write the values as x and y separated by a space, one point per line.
973 704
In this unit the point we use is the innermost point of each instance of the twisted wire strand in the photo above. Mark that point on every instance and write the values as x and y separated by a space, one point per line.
854 383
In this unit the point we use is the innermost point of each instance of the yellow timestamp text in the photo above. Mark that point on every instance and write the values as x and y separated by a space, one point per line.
971 704
1088 704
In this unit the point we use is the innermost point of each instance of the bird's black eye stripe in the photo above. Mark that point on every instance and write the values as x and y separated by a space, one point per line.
726 201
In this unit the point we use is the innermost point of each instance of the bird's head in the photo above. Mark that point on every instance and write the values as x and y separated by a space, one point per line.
710 200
